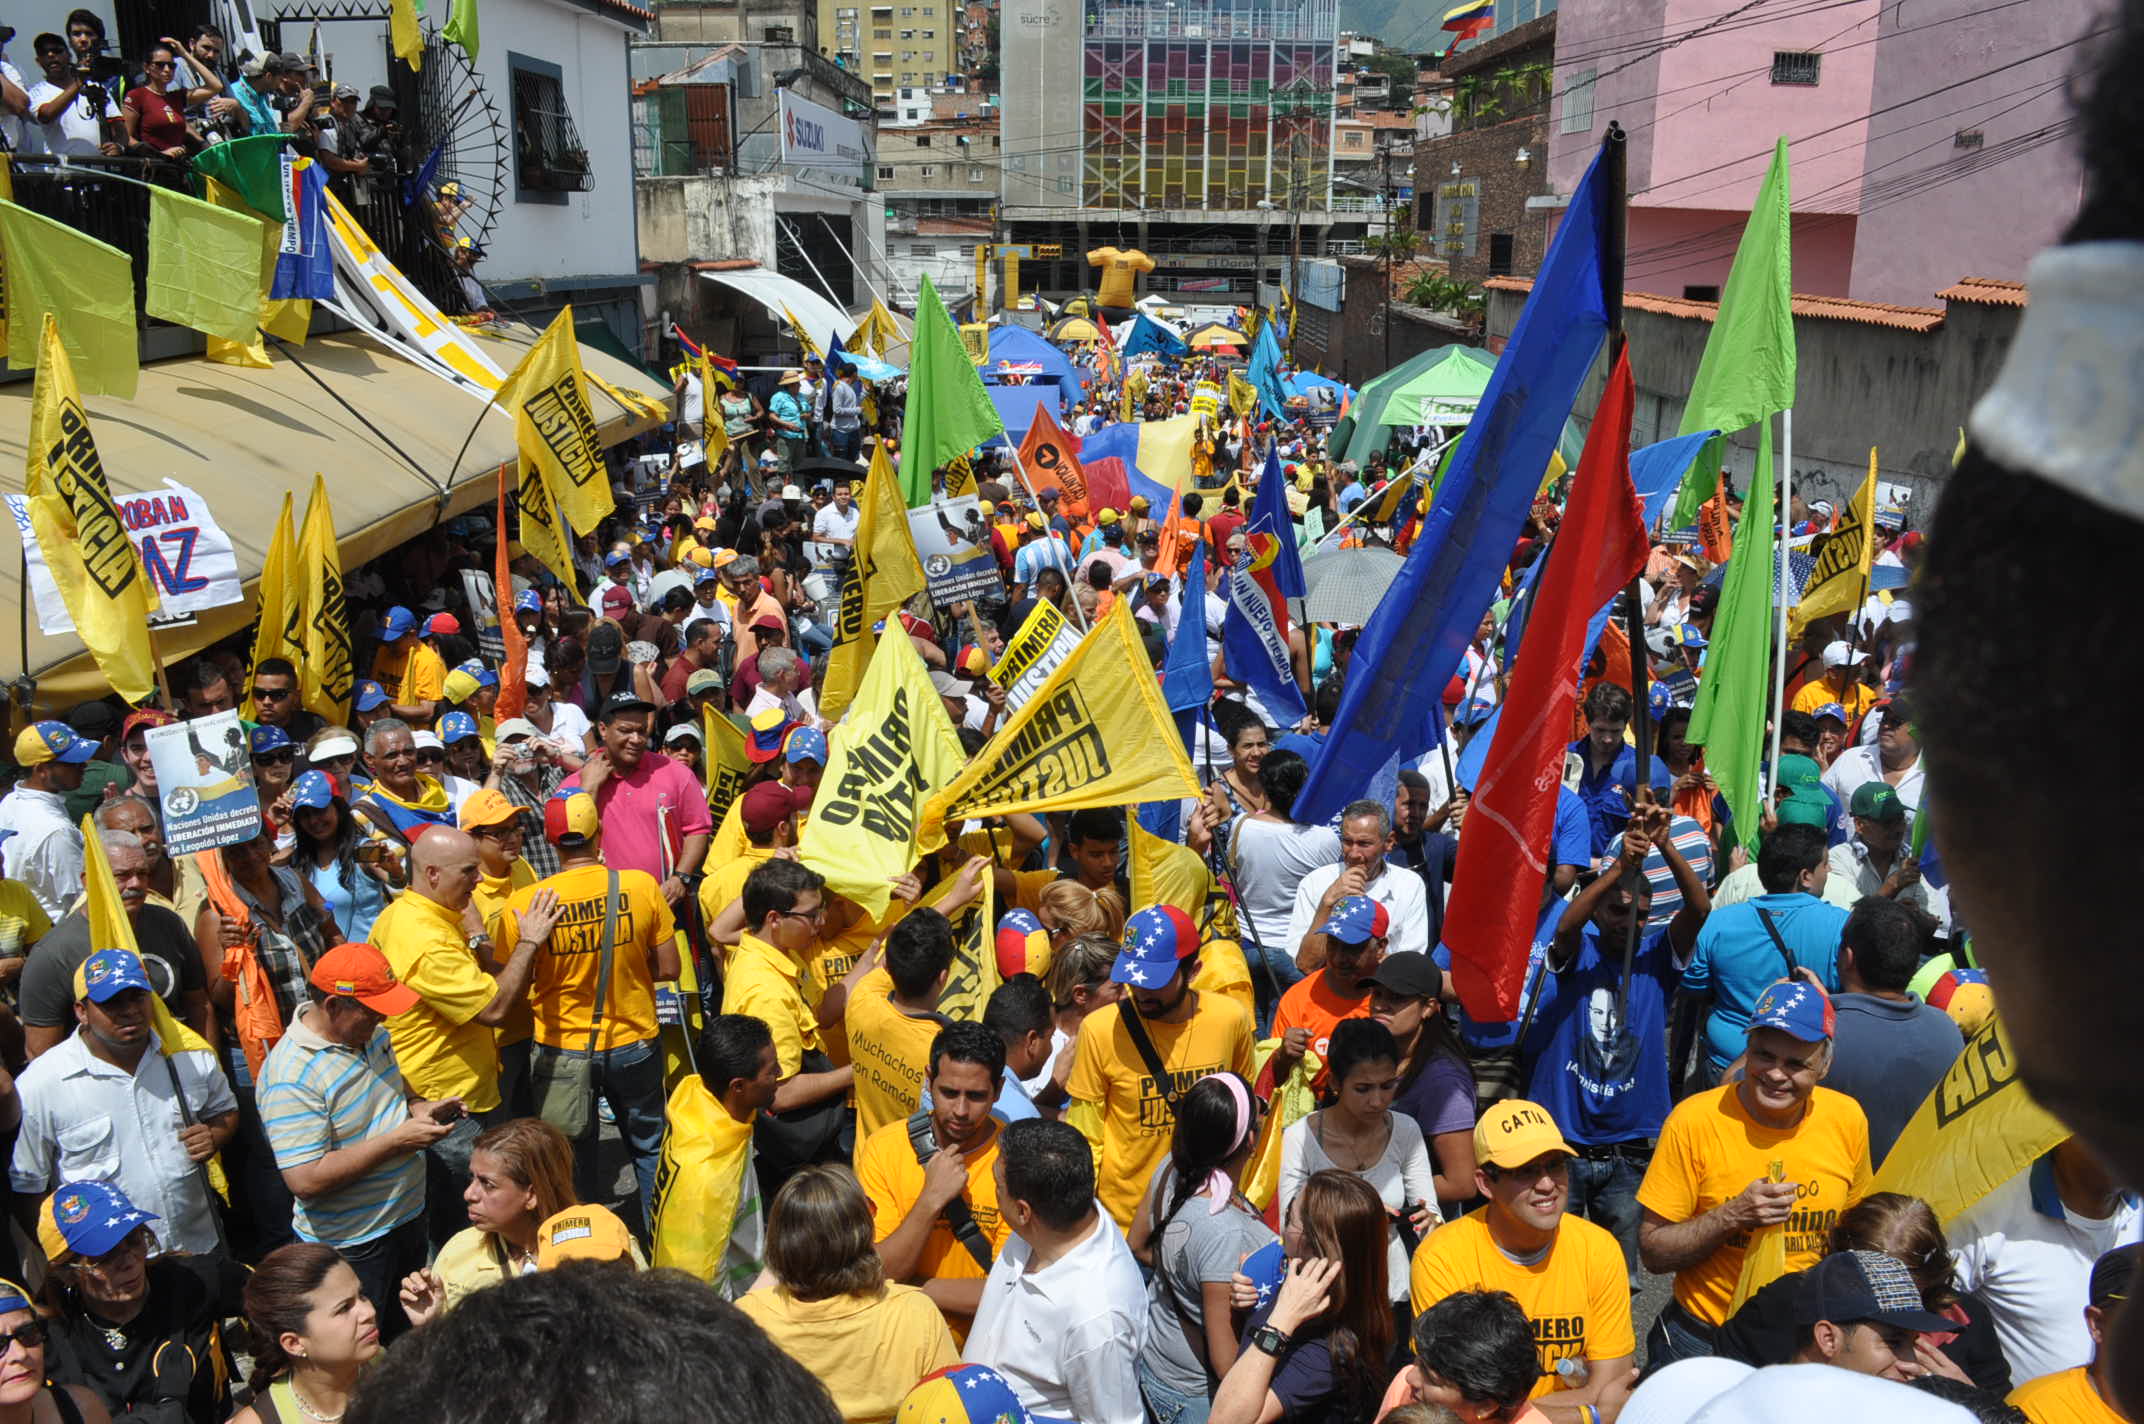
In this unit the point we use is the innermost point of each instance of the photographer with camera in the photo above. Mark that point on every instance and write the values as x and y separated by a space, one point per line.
526 770
70 113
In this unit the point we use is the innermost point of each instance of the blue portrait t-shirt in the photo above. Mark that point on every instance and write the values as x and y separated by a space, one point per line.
1599 1093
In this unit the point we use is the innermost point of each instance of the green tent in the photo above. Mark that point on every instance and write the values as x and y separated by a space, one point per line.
1452 375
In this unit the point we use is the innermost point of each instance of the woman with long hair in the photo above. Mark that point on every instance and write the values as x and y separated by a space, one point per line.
1359 1133
1193 1229
520 1175
831 1308
1069 909
1436 1085
354 877
1249 739
25 1398
313 1334
1320 1353
1079 983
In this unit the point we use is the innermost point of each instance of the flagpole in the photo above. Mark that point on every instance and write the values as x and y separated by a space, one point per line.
1020 468
1779 667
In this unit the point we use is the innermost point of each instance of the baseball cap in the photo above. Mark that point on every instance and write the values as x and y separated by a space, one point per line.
682 732
460 686
109 973
1474 713
346 91
1356 919
962 1394
972 660
1832 710
770 728
1021 941
385 96
1878 801
585 1232
614 558
487 807
368 695
947 684
312 791
1797 1009
87 1219
426 740
1515 1132
2111 1275
617 600
1138 503
457 727
1155 941
570 817
705 680
361 972
536 674
267 738
606 649
42 742
1689 635
398 623
516 729
528 601
1107 516
139 717
805 744
1840 653
94 720
1848 1287
765 807
440 623
1965 994
1410 972
706 574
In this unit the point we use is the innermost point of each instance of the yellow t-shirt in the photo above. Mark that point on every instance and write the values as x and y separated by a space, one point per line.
1814 694
1576 1298
1711 1148
1136 1123
892 1180
2064 1397
490 898
419 676
868 1350
725 882
891 1051
1119 267
441 1049
563 988
764 982
23 922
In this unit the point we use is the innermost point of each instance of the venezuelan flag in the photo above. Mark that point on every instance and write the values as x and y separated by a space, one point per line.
1470 19
1149 457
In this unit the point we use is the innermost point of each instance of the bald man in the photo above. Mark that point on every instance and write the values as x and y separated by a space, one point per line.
445 1046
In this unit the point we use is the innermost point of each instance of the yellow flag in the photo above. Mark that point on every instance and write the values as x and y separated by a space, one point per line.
811 347
1242 395
1841 577
973 977
282 602
543 524
402 30
724 757
959 476
204 266
884 574
894 748
876 334
1977 1130
86 548
1095 734
7 191
555 426
51 268
326 677
704 1188
287 318
1165 873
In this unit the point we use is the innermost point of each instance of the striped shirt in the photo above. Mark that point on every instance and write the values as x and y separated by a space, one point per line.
317 1096
1696 847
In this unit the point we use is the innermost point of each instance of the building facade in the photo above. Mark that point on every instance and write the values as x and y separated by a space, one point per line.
909 48
1478 183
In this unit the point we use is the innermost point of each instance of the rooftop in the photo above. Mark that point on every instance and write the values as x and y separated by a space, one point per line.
1985 292
1901 318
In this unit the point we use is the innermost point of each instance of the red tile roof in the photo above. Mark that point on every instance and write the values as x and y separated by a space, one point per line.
1985 291
1901 318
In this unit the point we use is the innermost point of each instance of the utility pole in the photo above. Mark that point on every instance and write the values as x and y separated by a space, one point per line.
1384 163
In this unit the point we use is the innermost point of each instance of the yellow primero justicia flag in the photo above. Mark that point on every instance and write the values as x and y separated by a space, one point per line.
555 427
324 621
883 574
86 548
282 601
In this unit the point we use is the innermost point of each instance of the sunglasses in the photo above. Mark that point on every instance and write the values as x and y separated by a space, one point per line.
430 755
271 694
30 1336
275 758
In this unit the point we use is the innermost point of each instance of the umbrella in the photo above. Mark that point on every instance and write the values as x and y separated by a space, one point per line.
1215 335
1346 585
1075 328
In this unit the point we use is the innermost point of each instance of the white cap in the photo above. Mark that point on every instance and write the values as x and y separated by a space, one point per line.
514 727
791 492
427 741
536 674
1839 653
1678 1391
332 747
680 732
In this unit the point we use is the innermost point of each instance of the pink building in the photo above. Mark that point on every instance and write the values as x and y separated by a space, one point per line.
1920 145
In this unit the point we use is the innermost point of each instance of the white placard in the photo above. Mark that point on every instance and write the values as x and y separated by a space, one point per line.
183 549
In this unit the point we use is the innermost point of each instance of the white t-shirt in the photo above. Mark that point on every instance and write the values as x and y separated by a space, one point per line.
10 124
569 728
77 131
831 520
1270 860
1404 897
1402 1176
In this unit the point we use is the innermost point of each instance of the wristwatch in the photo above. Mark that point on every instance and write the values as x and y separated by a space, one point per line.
1272 1341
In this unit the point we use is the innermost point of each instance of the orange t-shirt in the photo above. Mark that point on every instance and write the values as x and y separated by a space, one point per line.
1312 1003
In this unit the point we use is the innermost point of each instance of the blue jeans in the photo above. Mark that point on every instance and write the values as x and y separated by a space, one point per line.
630 1079
1675 1336
1604 1190
1167 1406
815 639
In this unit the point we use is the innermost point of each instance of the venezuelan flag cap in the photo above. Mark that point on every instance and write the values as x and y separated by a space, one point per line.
963 1394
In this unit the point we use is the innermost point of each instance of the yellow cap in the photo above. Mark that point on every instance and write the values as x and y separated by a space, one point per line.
487 807
582 1233
1515 1132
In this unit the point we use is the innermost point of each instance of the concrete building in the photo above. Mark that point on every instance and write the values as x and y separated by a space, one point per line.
1905 126
1199 132
939 182
1477 185
908 45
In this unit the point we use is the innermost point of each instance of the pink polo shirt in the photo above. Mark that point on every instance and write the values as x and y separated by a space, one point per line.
647 813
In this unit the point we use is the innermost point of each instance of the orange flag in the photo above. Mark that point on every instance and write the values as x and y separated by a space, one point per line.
1714 527
1177 537
513 672
1050 455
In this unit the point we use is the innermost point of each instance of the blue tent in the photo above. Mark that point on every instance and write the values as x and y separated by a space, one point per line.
1301 382
1017 343
1016 405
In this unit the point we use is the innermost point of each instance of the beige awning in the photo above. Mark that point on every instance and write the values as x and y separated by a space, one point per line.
242 437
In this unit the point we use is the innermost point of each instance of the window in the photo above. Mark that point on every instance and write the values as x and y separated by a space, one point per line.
1578 102
922 249
1796 66
928 170
996 142
1700 294
975 173
1500 254
549 160
885 170
882 34
1968 138
923 140
930 34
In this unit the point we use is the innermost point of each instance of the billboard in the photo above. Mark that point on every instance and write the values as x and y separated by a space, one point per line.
814 136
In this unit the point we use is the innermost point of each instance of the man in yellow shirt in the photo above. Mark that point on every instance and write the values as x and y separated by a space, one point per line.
1841 683
1124 1108
934 1203
784 905
495 824
1566 1273
445 1046
414 676
2084 1394
1771 1151
583 1013
893 1017
768 814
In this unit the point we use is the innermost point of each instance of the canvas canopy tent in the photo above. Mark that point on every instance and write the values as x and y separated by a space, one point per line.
1018 345
1216 334
1446 381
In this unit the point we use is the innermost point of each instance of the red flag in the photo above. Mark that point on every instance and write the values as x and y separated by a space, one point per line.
1496 887
1051 457
513 696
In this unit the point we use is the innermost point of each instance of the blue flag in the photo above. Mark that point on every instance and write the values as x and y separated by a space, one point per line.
1265 374
1150 335
1254 636
305 263
1187 673
421 185
1421 627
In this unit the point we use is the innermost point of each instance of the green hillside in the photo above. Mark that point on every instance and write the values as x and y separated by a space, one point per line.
1410 26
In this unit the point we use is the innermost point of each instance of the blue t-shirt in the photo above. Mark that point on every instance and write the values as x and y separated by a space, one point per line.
1606 793
1573 844
1306 745
1735 960
1596 1097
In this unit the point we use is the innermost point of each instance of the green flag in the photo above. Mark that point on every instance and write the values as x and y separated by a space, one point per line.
1747 371
461 27
1734 692
949 412
204 266
251 168
88 285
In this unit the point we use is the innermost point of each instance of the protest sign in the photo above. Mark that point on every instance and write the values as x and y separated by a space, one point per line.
953 540
484 614
204 777
185 552
1038 648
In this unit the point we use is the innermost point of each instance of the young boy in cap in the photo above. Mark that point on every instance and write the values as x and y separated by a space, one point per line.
1355 935
408 666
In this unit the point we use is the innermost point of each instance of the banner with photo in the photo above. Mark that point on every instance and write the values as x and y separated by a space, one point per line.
204 778
953 540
